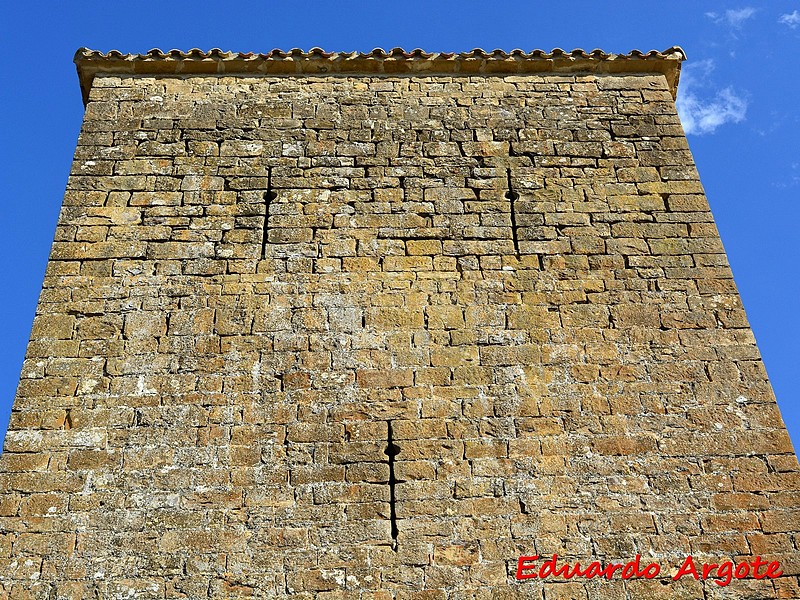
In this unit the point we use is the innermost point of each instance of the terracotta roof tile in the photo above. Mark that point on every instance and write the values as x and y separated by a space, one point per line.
378 62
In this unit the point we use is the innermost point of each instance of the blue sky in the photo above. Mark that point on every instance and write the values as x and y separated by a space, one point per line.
738 99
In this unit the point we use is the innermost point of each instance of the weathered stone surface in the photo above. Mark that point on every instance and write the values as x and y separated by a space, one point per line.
298 337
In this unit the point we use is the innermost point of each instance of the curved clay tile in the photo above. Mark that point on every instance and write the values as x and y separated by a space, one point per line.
317 61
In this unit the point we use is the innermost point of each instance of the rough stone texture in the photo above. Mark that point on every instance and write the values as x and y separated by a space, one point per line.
562 368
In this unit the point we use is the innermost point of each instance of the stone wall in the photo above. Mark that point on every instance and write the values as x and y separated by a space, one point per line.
485 317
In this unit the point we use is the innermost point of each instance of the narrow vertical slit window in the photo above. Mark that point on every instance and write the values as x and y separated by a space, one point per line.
512 197
391 451
269 196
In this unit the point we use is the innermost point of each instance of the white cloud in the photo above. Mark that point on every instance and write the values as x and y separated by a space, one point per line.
703 113
698 68
790 19
734 18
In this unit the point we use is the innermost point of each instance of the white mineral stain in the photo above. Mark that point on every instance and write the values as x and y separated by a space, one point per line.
337 576
26 436
94 439
87 385
142 389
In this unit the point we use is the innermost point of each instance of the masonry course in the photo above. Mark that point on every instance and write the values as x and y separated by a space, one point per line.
376 330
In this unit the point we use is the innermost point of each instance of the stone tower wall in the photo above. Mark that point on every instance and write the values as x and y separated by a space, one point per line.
484 317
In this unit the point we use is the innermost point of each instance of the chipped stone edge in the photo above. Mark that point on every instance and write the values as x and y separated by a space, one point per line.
397 61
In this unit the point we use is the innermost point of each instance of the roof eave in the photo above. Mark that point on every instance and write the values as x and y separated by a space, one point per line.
397 61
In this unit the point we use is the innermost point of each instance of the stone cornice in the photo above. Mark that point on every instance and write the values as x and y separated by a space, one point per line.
397 61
